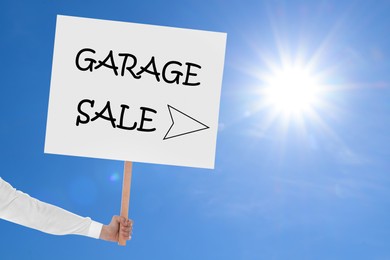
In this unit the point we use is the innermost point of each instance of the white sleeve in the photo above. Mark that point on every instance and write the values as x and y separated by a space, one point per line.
20 208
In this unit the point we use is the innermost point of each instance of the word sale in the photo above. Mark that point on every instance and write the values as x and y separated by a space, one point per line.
106 114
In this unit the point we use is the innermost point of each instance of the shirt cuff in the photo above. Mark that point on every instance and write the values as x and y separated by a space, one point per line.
94 229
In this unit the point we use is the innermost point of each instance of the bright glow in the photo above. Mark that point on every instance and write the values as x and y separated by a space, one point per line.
291 90
114 177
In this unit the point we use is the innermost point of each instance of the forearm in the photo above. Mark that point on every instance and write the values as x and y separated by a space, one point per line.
20 208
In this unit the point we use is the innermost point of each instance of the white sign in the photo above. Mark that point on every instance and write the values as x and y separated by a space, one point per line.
135 92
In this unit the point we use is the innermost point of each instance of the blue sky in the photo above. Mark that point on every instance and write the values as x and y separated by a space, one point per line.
312 186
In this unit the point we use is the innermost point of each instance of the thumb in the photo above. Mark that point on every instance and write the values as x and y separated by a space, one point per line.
122 221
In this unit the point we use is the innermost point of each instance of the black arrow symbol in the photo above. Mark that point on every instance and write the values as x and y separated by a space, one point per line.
182 124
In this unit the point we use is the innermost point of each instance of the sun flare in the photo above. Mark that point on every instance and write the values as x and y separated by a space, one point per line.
291 90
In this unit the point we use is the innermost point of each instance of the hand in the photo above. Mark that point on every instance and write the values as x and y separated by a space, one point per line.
111 232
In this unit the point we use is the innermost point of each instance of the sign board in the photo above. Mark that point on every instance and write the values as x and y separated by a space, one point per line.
135 92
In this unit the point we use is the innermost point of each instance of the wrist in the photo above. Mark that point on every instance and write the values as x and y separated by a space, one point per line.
103 233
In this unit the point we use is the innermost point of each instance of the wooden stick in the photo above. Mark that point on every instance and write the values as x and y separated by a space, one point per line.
125 196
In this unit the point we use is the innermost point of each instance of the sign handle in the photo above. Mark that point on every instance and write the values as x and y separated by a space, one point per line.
125 196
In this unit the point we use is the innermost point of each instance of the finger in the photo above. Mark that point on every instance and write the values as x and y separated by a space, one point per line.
125 233
125 229
123 221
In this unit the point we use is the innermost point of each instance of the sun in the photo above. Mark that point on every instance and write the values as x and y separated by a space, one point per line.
291 90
